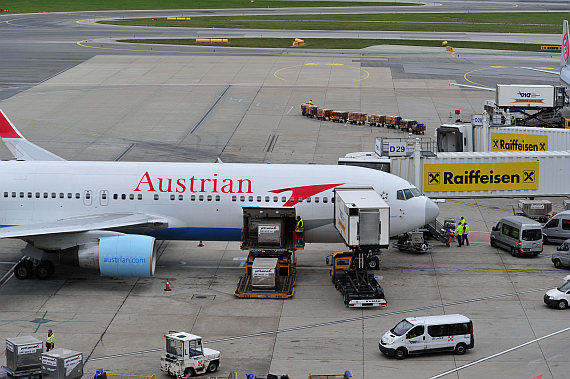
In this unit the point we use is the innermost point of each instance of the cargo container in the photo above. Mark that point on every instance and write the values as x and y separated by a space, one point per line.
339 116
323 113
265 274
376 120
62 364
392 121
23 354
357 118
270 232
535 209
529 96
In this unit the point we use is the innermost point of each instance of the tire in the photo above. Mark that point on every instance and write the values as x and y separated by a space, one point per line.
562 304
43 271
51 265
493 243
400 353
513 252
23 270
460 349
374 263
557 263
212 366
189 371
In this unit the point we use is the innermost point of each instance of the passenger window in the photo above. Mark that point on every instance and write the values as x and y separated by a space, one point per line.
217 197
77 196
132 196
139 196
325 200
37 195
45 195
234 198
415 332
400 195
115 196
52 195
193 198
283 199
438 330
69 195
565 224
275 199
209 197
104 196
259 199
458 329
408 194
316 199
250 199
308 199
242 198
506 230
14 194
29 195
300 199
5 194
180 197
22 194
332 199
267 199
553 223
61 195
515 233
155 196
201 197
87 195
172 197
123 196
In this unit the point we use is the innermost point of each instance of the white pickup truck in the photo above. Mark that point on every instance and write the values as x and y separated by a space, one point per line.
185 356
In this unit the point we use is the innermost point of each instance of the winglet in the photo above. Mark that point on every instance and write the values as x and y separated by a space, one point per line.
565 53
21 148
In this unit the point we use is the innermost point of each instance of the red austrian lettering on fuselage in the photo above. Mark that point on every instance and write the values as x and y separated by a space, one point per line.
304 192
193 185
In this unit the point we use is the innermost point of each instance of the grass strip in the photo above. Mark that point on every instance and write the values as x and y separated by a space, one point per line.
546 22
341 43
35 6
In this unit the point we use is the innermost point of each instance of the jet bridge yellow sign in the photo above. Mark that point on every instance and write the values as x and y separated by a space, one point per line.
518 142
509 176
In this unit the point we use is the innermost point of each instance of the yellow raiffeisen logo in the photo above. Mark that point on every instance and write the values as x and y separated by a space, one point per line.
518 142
481 177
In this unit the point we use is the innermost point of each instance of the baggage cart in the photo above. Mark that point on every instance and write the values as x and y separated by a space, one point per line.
418 128
413 241
339 116
308 110
392 121
347 375
323 113
357 118
376 120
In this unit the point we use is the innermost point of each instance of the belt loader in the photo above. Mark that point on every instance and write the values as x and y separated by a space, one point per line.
362 218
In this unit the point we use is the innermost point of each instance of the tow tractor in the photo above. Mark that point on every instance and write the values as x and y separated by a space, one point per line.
185 356
362 218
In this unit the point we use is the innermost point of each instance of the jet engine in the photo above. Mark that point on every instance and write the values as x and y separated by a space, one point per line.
129 255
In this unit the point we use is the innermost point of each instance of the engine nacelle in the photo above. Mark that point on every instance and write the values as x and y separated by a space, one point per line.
129 255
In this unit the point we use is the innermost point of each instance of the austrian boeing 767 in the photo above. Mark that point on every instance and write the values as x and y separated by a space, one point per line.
108 215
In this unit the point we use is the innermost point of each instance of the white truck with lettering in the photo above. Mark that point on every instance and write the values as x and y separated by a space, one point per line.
185 356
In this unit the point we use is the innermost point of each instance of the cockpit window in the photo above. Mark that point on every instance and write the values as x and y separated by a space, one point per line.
416 191
408 194
400 195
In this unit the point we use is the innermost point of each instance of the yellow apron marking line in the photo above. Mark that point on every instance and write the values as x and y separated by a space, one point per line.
317 64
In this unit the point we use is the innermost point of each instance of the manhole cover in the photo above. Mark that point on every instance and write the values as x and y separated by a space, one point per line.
204 297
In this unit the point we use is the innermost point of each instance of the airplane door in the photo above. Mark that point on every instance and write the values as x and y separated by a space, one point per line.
87 198
104 198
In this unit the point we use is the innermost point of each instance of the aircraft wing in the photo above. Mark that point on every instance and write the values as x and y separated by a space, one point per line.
21 148
110 221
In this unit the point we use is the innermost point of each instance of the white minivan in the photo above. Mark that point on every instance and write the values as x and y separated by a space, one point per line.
415 335
559 297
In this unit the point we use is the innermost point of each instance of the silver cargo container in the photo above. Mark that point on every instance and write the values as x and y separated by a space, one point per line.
62 364
265 274
23 353
536 209
270 232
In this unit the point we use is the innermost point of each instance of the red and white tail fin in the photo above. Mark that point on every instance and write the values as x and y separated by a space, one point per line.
21 148
564 57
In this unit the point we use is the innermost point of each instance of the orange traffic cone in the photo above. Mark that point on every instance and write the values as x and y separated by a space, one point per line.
167 285
450 115
200 244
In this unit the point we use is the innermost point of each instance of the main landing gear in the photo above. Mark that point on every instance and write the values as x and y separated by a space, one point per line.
43 270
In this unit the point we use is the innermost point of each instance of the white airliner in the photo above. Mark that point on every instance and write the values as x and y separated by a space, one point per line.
107 215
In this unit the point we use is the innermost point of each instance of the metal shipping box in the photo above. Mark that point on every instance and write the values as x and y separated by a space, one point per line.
270 232
525 96
535 207
62 364
265 273
23 353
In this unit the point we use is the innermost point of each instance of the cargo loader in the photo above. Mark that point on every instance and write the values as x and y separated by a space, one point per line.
271 238
362 218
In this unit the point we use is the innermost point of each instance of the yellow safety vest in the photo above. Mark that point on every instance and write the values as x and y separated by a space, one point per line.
300 223
50 338
459 230
466 231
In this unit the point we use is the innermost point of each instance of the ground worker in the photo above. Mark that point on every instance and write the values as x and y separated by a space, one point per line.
299 222
465 233
300 232
459 232
50 342
311 102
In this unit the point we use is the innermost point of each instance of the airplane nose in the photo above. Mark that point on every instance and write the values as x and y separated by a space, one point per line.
432 211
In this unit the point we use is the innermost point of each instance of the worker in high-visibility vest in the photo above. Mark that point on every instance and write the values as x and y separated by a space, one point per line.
50 341
465 233
311 102
459 233
299 222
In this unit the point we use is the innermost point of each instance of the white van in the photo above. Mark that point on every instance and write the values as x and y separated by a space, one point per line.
559 297
519 235
415 335
557 228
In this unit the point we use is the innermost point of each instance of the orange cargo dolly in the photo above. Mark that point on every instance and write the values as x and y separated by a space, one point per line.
357 118
323 113
339 116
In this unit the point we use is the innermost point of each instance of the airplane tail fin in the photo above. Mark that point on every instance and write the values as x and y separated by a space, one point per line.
565 51
21 148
